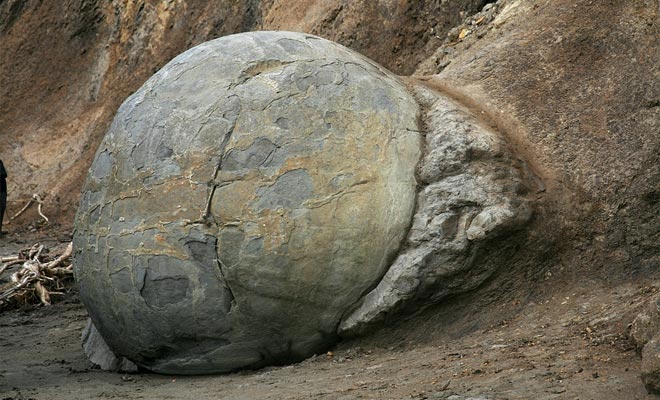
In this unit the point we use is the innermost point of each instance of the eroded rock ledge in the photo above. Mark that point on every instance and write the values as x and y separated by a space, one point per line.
253 190
470 190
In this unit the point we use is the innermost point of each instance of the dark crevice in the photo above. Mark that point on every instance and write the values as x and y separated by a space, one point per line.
191 345
206 217
11 16
138 15
232 300
652 104
485 2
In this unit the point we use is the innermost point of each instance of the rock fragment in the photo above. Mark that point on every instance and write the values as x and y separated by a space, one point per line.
99 354
645 335
646 325
651 365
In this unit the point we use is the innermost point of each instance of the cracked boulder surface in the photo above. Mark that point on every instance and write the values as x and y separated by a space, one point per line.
472 191
243 200
265 193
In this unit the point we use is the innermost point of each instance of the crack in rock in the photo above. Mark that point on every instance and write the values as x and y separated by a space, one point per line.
292 155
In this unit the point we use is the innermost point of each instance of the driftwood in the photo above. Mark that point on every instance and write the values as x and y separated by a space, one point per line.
38 277
35 199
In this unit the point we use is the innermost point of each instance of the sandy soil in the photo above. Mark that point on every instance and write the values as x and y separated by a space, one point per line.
569 344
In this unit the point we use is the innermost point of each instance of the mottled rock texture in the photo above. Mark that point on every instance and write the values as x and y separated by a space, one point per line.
243 199
99 354
471 190
71 63
651 365
646 325
645 335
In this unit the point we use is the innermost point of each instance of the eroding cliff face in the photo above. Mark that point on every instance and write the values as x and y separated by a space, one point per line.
580 100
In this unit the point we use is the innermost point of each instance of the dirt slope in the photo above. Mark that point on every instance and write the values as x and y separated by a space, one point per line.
576 86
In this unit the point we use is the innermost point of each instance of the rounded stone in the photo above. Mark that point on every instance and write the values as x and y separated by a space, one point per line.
243 200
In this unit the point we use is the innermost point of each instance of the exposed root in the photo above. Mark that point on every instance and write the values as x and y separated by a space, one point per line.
39 276
35 199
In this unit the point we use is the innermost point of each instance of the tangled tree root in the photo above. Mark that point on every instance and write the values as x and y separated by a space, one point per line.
39 275
35 199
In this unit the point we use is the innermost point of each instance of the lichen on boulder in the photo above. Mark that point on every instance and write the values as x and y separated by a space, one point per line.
243 200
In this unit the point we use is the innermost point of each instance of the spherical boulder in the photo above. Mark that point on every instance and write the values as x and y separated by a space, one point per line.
243 200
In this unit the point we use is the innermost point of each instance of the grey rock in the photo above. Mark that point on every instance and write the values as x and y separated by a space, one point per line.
645 335
470 193
651 365
99 354
646 325
243 200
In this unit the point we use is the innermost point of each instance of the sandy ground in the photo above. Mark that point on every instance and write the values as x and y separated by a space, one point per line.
571 344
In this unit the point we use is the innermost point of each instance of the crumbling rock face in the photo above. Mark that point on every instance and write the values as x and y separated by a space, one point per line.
247 197
470 191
